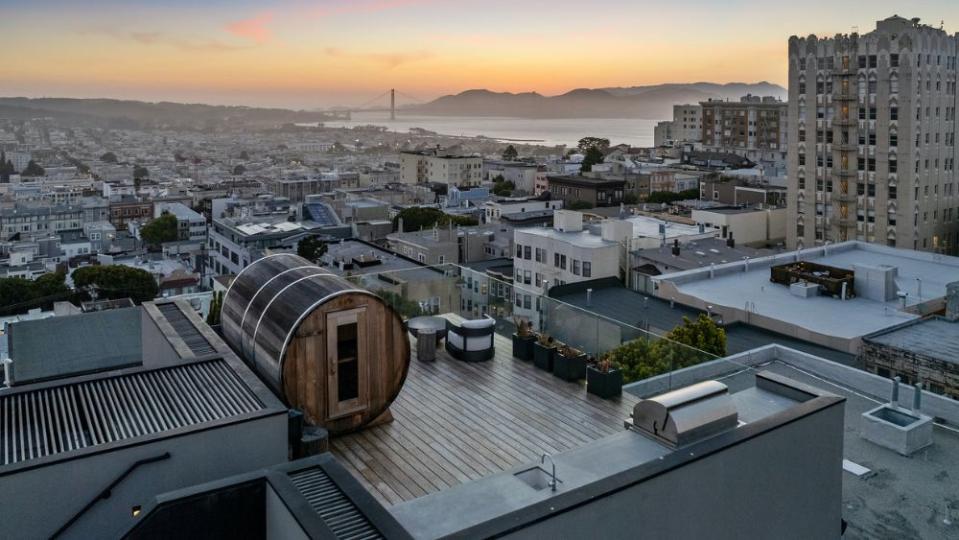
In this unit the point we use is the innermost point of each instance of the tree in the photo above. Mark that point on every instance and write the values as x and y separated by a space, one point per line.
510 153
160 230
6 167
593 142
140 172
216 304
109 157
238 170
33 169
244 155
502 186
703 334
630 198
659 197
18 294
311 248
579 205
404 306
685 345
117 281
417 217
594 156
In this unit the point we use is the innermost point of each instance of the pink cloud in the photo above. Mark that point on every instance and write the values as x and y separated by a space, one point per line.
338 7
254 28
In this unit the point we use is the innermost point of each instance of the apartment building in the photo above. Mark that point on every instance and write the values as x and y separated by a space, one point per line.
859 105
593 191
753 127
126 208
686 126
29 220
190 224
520 173
299 188
435 166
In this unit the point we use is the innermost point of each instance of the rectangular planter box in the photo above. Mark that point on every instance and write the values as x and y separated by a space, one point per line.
569 368
543 356
605 385
523 347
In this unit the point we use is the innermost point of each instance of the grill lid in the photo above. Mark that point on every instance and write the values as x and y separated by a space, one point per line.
687 415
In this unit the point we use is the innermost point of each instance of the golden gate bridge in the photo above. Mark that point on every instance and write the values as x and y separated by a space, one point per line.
375 105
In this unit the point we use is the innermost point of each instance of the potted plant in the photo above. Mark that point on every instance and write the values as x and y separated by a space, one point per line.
604 378
569 363
543 352
523 340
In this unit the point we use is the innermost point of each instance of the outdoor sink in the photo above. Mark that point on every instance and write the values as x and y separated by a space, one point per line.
536 478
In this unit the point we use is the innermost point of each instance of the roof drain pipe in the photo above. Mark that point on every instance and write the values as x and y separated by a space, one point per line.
7 374
917 398
895 390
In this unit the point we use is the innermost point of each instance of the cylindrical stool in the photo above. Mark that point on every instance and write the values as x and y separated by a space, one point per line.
426 345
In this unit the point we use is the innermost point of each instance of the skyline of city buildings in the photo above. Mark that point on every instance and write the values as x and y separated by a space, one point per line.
263 323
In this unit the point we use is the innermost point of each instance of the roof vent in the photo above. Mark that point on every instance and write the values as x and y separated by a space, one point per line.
687 415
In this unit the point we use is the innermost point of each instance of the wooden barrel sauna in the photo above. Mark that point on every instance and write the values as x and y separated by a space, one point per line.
338 353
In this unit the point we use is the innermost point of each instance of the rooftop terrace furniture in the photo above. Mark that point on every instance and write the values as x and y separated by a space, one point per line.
472 340
428 322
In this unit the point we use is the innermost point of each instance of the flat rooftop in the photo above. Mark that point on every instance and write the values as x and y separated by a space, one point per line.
734 287
907 497
74 344
936 338
610 299
699 253
457 421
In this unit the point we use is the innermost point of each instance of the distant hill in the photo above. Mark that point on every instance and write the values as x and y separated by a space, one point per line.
652 102
124 113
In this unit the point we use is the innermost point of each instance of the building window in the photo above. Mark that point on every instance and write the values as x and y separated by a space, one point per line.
587 269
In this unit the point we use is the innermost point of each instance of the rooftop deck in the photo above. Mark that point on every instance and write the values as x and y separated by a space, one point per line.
456 421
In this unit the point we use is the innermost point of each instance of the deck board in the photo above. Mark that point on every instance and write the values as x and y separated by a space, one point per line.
456 421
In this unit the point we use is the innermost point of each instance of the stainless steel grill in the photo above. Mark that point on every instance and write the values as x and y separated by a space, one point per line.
329 502
51 421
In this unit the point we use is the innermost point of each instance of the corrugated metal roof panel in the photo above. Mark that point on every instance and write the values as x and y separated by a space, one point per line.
339 513
52 421
186 329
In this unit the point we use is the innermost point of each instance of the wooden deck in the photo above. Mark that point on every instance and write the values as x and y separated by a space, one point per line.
455 422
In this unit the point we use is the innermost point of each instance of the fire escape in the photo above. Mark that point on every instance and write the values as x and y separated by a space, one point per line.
845 98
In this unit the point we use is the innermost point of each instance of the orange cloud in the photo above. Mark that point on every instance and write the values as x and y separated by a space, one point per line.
254 28
389 60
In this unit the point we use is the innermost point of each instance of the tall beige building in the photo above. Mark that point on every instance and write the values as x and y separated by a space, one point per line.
872 153
436 166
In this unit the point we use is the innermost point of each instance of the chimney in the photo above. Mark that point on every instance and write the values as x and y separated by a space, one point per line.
952 300
730 242
676 247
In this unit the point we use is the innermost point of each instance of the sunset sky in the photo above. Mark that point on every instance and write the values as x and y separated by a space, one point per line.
346 52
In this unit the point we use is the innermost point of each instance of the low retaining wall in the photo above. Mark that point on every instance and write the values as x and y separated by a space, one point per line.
943 409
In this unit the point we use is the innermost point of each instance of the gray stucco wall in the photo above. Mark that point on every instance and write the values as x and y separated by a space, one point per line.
280 523
44 498
784 484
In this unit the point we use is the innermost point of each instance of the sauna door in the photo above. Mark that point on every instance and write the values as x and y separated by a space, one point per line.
347 354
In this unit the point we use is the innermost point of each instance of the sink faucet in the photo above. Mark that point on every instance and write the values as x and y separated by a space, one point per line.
552 482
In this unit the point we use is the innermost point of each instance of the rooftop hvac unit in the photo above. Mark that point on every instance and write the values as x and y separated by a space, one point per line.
687 415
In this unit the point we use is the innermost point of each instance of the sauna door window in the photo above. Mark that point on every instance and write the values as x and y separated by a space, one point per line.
347 351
